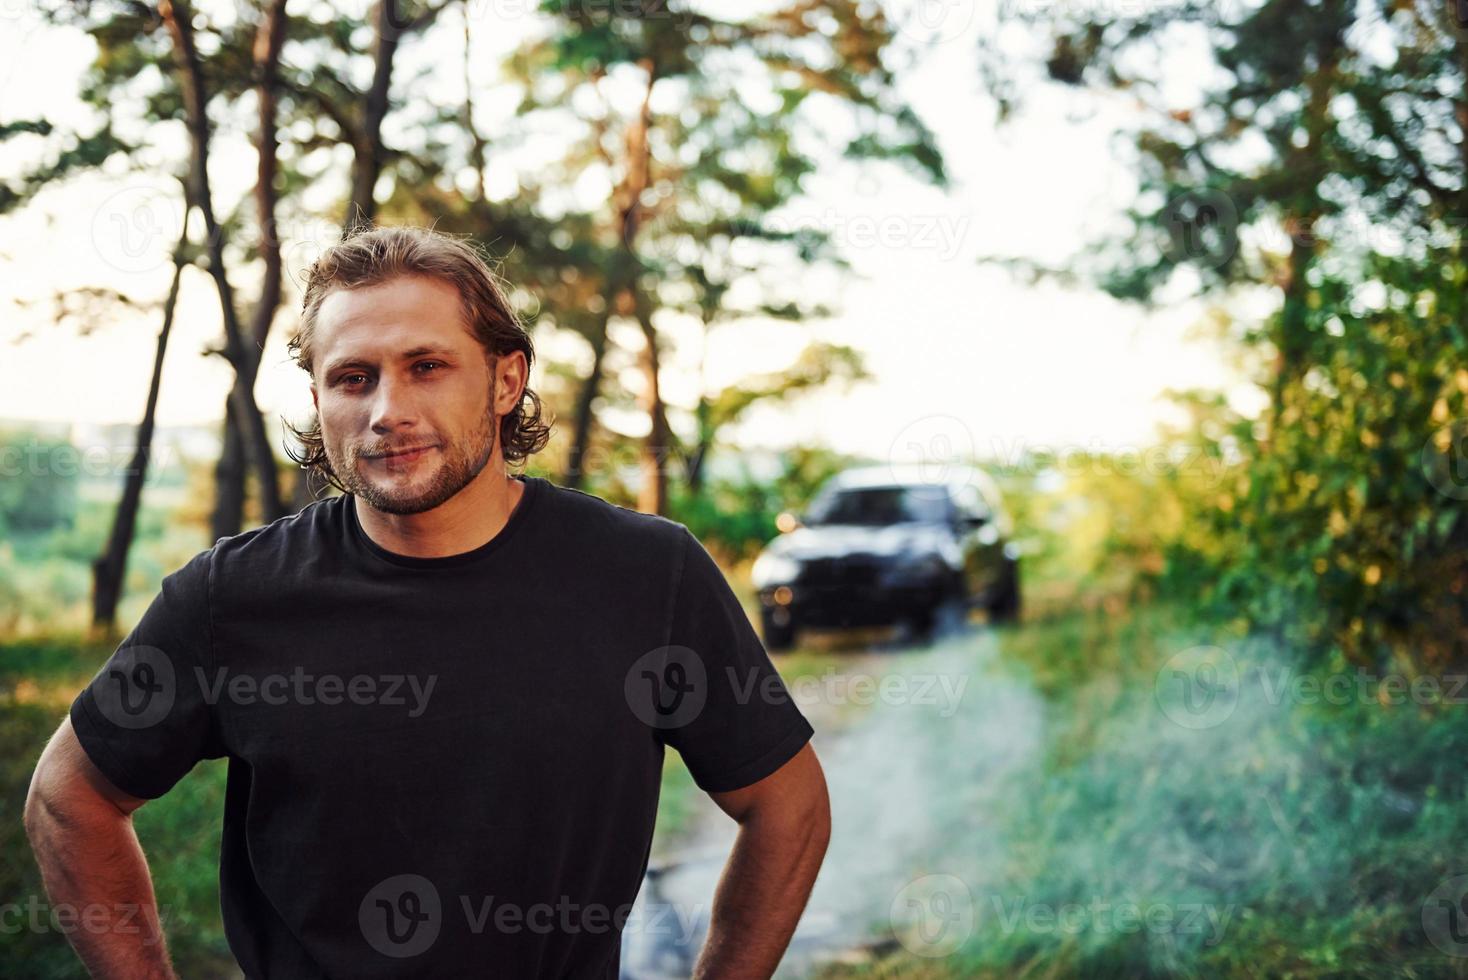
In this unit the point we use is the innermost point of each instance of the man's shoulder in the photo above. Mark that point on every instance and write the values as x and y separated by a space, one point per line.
283 540
592 519
260 555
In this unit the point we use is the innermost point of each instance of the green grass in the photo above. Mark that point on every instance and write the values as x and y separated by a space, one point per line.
46 578
677 802
1319 829
180 833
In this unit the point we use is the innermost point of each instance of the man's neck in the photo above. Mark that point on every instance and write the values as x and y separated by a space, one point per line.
467 520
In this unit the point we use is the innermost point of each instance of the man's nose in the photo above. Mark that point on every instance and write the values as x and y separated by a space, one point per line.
394 404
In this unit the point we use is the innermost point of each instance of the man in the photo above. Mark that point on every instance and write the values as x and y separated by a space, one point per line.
444 694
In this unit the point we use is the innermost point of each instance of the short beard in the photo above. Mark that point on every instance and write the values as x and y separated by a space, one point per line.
463 462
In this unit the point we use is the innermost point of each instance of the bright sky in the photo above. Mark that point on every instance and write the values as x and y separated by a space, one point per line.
963 354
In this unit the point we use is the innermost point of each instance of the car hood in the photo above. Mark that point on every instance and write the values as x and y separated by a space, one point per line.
845 540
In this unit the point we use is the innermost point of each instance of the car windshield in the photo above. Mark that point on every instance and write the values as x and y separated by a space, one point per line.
881 506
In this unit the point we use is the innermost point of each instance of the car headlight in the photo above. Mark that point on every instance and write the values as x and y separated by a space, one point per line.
772 569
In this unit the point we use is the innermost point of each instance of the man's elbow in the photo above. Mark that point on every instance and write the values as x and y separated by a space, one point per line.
820 820
800 807
813 805
66 794
41 813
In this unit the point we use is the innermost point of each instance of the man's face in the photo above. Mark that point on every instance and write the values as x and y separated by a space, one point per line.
398 369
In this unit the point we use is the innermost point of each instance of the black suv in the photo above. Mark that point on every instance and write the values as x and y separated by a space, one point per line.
885 544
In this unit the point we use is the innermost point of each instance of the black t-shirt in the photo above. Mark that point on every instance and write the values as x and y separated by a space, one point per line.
440 766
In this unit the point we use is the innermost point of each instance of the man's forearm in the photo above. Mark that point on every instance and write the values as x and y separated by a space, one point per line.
99 888
759 900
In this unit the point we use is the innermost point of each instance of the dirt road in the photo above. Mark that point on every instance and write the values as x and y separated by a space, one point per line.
915 741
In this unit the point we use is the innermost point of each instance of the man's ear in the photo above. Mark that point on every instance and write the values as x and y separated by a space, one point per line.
511 377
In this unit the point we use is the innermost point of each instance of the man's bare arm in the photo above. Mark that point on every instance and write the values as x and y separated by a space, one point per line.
784 827
80 827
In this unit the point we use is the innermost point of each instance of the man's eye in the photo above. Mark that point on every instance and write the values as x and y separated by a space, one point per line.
347 378
428 364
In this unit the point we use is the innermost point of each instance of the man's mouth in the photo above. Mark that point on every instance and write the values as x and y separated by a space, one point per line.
401 456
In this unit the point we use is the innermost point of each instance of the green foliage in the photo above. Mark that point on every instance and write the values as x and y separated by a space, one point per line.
38 483
1336 525
46 578
1344 531
737 515
677 802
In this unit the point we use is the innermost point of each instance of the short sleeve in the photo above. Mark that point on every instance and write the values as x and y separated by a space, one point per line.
145 718
746 725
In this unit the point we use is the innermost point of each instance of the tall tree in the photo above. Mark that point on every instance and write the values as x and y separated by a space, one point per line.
739 87
1333 115
247 422
109 570
392 21
152 54
1326 161
229 473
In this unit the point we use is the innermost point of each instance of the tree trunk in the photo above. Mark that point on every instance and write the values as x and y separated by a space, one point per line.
621 276
1300 221
229 478
367 154
242 394
696 463
584 418
652 496
229 474
268 41
109 570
